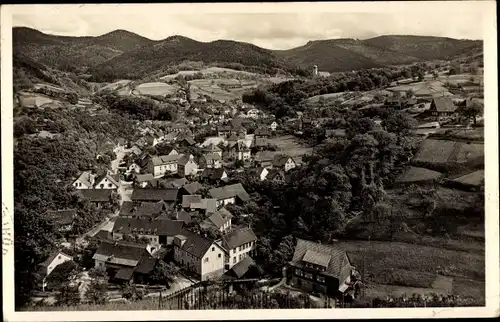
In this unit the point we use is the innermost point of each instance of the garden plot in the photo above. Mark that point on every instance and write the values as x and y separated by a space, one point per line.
156 88
289 145
201 87
116 85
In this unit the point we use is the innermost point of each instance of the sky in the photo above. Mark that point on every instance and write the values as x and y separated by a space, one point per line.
273 27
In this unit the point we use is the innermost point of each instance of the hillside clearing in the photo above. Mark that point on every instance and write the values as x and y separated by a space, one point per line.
290 145
156 88
415 174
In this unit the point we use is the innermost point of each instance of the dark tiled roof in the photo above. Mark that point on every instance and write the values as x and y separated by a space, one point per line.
96 195
86 178
230 191
103 235
193 187
125 273
213 173
444 104
242 266
337 257
184 159
209 205
261 142
212 156
144 177
154 194
262 156
158 227
195 244
238 237
184 216
113 179
187 200
263 131
149 209
280 160
273 174
146 265
120 252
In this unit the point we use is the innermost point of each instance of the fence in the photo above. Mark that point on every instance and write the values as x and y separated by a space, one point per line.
203 298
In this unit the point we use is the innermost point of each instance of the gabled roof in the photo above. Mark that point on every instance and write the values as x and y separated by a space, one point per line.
263 156
213 173
158 227
263 131
96 195
176 183
209 205
146 177
443 104
120 253
242 267
165 159
281 160
189 140
239 146
124 273
86 178
187 200
184 216
155 194
238 237
333 257
103 235
195 244
193 187
146 265
230 191
113 179
217 220
273 173
53 256
145 209
184 159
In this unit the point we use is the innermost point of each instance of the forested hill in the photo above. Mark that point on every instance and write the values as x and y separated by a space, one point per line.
350 54
122 54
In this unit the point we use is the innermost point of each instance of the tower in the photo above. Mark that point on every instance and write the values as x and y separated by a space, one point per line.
315 71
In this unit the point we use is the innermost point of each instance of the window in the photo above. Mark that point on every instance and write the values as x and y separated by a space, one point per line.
308 275
206 260
109 185
320 278
240 257
234 259
59 257
213 248
219 256
298 272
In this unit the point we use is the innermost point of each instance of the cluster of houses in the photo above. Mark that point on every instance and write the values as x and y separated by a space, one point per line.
178 206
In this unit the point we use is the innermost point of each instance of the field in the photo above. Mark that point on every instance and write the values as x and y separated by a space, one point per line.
208 71
441 151
415 174
33 99
116 85
290 145
156 88
209 87
398 268
475 178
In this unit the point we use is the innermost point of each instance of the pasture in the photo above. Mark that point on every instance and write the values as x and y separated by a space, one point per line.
34 99
156 88
116 85
291 146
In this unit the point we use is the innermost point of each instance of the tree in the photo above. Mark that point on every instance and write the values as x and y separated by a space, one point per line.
472 110
62 274
68 295
164 273
96 292
399 123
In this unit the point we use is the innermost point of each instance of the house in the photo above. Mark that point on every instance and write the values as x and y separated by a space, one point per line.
276 175
99 197
158 231
253 113
85 180
260 143
220 221
64 220
394 102
214 175
212 148
239 244
144 210
142 180
187 166
223 131
442 107
210 160
191 188
264 159
200 255
262 133
135 150
274 126
229 194
243 270
260 173
121 259
54 260
172 182
167 195
187 200
205 205
239 151
322 268
132 167
163 164
184 216
284 162
185 141
107 181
